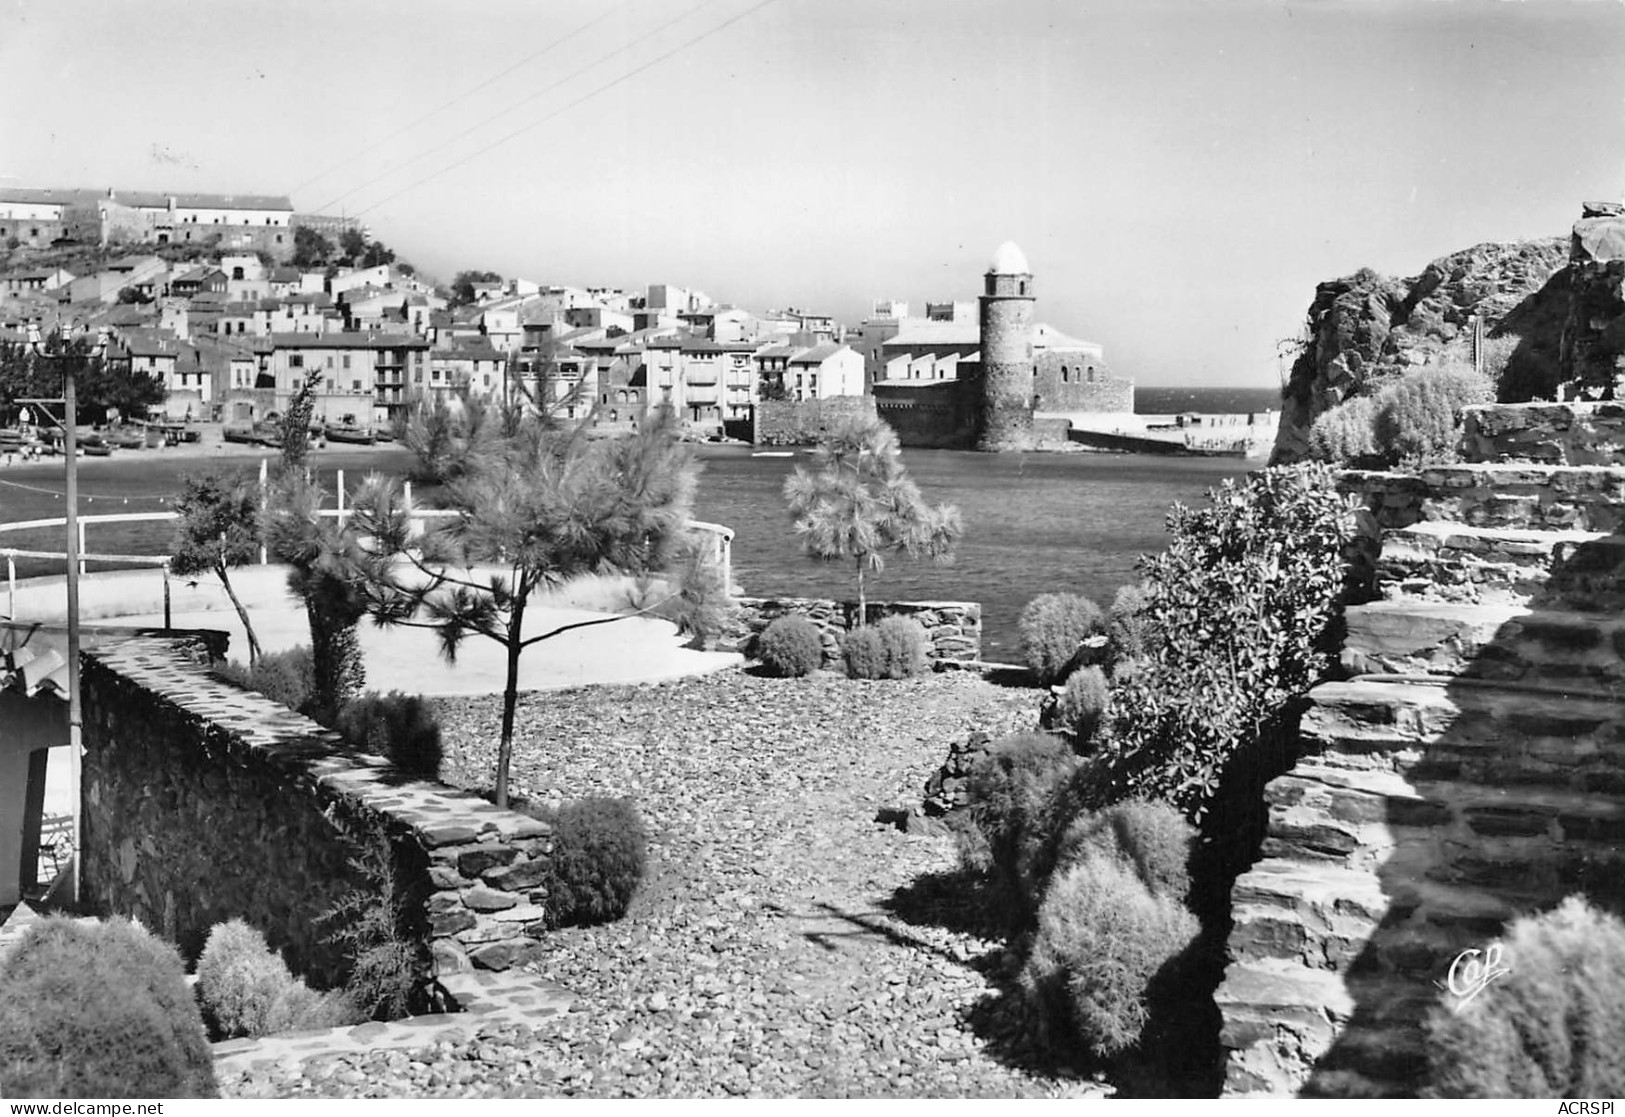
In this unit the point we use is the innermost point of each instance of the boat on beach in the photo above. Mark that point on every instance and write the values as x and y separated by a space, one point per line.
350 433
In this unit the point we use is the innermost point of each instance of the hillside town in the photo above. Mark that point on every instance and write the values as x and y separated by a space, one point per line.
232 301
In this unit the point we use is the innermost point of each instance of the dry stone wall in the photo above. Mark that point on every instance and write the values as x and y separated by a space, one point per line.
1467 770
953 629
205 802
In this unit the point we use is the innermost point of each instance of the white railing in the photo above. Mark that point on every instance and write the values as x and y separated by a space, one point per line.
721 539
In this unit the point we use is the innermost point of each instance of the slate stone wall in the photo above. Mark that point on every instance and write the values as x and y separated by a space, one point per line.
953 629
205 802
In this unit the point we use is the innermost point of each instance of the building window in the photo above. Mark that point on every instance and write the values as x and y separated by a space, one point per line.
296 361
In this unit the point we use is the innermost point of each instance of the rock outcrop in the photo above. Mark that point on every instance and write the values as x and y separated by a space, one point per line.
1367 327
1593 349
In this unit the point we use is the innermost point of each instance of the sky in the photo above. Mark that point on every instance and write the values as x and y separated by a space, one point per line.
1180 173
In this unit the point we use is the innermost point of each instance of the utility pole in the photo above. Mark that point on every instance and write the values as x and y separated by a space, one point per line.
70 448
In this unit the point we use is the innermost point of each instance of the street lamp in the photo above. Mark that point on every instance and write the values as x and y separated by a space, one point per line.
70 448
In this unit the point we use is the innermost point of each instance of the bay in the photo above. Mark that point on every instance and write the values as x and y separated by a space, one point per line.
1034 523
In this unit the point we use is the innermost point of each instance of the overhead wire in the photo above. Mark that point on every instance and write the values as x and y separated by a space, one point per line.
515 106
90 498
459 99
573 104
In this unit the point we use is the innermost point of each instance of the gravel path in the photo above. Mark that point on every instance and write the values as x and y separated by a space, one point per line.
785 944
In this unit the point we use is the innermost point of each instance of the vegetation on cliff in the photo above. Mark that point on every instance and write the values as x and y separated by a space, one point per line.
1367 330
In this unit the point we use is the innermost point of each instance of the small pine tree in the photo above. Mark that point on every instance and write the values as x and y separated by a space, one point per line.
858 504
543 505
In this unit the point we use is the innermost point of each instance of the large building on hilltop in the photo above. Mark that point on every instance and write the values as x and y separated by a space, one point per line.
952 382
38 218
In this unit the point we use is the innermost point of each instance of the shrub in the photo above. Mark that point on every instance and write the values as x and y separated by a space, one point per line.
1052 626
1242 599
402 727
1554 1027
864 653
287 677
791 646
1102 956
903 639
247 990
598 860
388 960
1009 796
1129 630
1346 433
1082 704
97 1011
1418 415
1151 839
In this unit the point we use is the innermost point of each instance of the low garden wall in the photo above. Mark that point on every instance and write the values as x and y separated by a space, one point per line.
953 629
204 802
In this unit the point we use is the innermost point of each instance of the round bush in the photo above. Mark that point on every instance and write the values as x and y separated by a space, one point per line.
1081 707
1103 939
598 860
1417 416
99 1010
902 641
791 646
402 727
1347 433
864 653
1150 839
1052 626
246 988
1009 795
1552 1027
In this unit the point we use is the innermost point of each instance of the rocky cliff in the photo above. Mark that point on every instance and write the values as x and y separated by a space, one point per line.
1366 328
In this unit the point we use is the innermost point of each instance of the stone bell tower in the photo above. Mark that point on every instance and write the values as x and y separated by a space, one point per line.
1005 420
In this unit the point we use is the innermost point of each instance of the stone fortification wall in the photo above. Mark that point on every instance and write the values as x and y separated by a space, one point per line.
940 416
953 628
205 802
793 423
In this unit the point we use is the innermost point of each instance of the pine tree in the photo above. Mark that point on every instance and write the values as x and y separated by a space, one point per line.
858 503
535 507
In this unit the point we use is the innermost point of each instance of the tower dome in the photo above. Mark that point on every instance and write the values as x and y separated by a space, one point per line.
1009 260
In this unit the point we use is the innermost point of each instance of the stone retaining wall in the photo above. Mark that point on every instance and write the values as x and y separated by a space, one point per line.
953 629
205 802
1577 433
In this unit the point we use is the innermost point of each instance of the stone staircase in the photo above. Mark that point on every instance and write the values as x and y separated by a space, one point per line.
1470 767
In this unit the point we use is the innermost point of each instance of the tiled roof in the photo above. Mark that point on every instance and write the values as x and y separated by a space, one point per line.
1048 337
348 340
818 354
